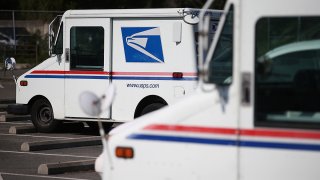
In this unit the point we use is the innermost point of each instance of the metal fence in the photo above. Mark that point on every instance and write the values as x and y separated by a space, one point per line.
24 35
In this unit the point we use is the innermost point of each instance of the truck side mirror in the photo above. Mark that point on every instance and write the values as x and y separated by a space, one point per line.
9 64
191 19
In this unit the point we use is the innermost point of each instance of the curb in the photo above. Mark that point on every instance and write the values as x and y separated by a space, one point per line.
7 101
9 118
3 113
22 129
59 144
3 107
71 166
3 117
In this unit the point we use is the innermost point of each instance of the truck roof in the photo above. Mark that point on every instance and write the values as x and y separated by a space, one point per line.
276 7
164 12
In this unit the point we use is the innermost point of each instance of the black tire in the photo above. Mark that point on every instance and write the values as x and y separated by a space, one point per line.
151 107
42 116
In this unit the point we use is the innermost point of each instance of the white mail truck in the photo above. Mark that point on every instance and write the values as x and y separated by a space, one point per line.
255 115
148 54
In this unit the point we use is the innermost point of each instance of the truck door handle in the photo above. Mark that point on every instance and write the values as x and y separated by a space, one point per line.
67 50
246 89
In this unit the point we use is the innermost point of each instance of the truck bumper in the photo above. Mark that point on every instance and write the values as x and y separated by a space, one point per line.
18 109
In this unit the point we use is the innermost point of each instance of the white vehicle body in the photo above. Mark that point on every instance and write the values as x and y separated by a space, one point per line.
249 120
148 54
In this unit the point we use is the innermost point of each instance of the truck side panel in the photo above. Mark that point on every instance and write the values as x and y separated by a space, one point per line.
144 58
280 129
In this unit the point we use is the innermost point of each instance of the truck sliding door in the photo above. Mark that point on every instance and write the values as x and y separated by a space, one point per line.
87 63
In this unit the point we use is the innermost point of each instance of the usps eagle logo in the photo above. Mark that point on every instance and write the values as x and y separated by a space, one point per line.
142 44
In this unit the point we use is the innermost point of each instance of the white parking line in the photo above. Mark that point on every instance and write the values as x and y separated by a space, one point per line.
45 154
28 175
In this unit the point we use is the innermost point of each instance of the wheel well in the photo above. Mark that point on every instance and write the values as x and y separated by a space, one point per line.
146 101
31 102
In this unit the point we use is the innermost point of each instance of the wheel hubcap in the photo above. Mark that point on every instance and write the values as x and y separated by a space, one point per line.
45 115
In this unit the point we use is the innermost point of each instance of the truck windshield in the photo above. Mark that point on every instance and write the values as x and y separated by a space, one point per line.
54 27
213 24
220 66
287 66
58 47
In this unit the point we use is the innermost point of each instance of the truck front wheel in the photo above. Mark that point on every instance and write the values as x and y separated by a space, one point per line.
42 116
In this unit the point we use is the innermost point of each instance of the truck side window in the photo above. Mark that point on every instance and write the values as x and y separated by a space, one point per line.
87 48
287 72
220 67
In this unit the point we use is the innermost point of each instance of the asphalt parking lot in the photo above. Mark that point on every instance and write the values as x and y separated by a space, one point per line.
26 154
49 155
